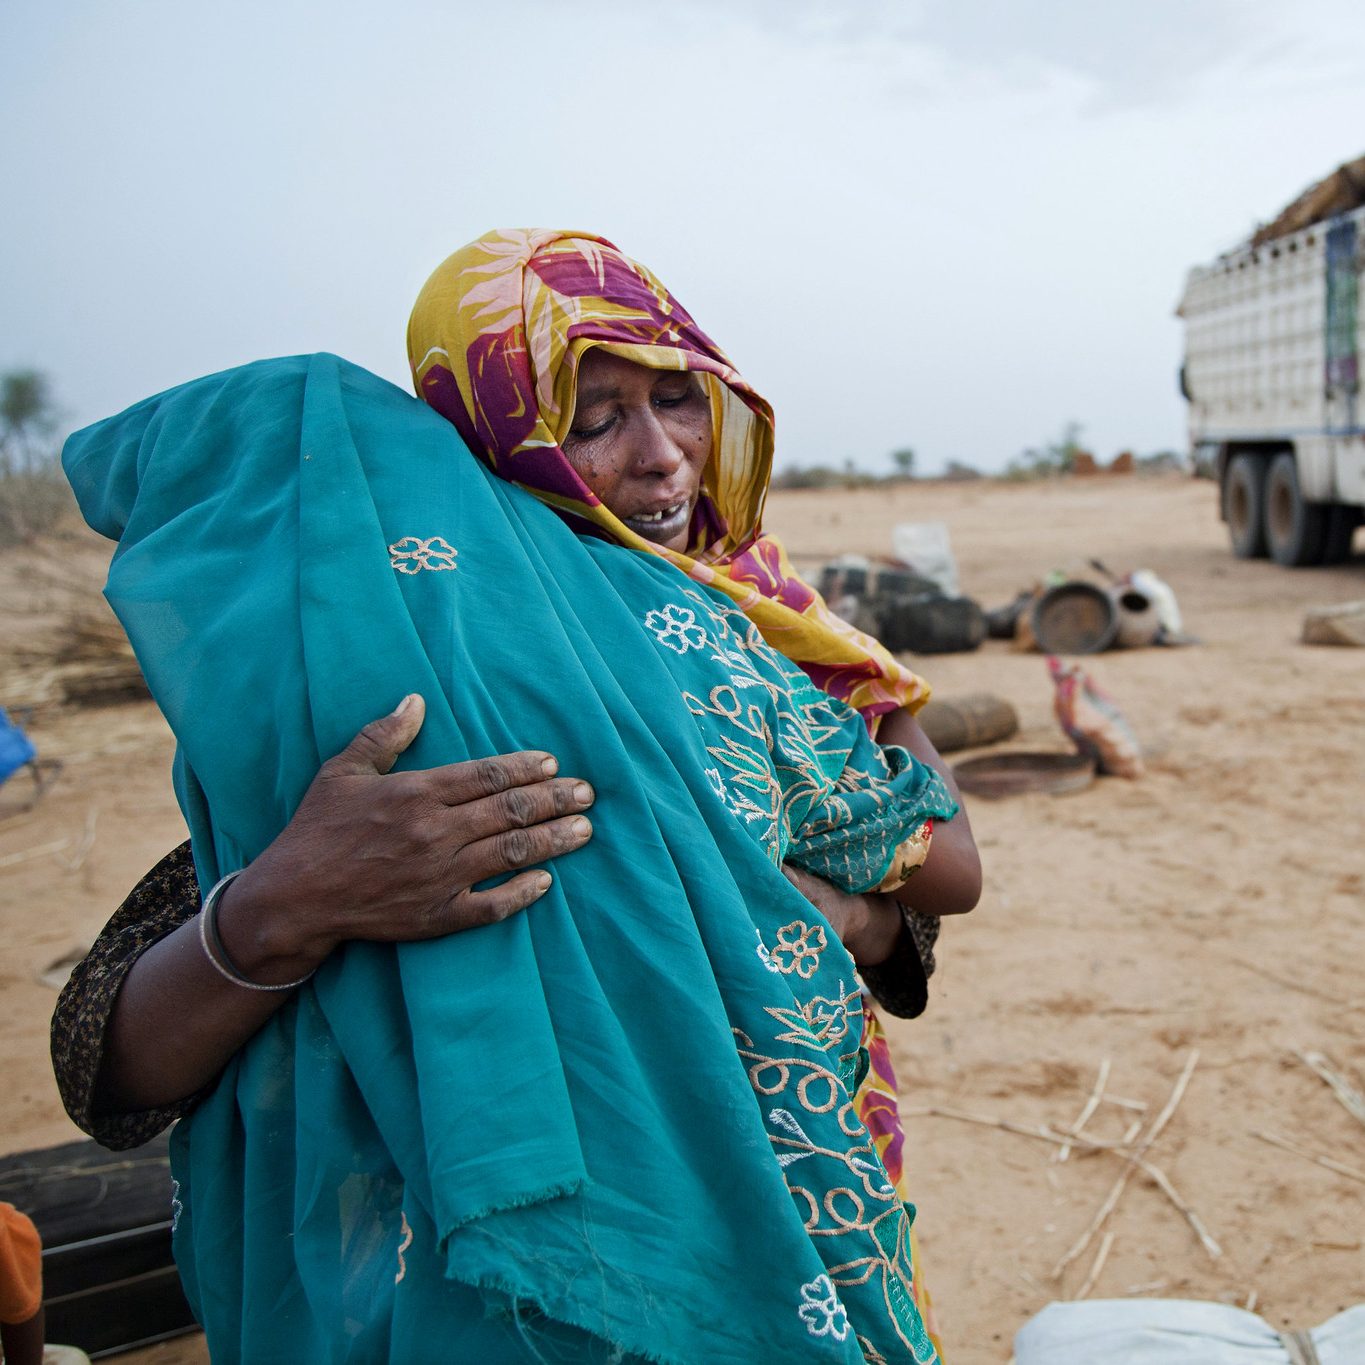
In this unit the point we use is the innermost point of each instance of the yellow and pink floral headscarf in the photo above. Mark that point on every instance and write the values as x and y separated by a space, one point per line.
495 340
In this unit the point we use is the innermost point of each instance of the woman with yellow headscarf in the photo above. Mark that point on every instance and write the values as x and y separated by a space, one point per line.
543 346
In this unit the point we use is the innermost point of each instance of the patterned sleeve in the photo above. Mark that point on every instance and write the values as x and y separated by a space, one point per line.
900 985
870 827
161 902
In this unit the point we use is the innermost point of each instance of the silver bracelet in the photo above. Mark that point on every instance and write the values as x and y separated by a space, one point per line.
213 943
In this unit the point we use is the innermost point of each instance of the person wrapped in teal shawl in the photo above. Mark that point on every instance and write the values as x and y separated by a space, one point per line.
616 1127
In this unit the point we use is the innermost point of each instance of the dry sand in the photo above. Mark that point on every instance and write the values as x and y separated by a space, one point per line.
1218 904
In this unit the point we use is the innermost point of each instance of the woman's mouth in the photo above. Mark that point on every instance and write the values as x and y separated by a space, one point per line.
662 526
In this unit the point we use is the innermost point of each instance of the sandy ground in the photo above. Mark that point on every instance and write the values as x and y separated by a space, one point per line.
1217 905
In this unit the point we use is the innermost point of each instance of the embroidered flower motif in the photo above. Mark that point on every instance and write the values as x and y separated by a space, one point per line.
677 628
798 950
177 1208
717 783
411 555
819 1024
403 1246
821 1310
827 1019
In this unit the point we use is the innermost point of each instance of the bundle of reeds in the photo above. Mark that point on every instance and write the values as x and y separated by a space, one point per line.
1339 192
97 663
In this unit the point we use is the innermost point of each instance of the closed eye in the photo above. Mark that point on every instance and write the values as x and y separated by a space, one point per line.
591 433
676 400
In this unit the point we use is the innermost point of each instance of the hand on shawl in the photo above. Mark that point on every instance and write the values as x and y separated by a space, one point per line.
372 854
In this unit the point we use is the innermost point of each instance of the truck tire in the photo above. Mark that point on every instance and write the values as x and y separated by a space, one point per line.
1295 530
1341 528
1243 504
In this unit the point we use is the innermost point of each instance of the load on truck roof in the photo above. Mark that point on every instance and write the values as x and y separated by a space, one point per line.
1339 192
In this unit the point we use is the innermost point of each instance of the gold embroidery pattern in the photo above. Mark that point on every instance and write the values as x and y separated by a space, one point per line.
403 1245
847 1203
820 1022
782 755
411 555
798 950
781 761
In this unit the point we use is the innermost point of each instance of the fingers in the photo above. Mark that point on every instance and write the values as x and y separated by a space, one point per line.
459 783
516 808
471 909
516 848
376 748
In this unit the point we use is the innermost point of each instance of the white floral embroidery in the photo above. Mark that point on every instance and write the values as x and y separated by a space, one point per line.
764 956
402 1247
411 555
177 1208
821 1310
740 806
676 627
796 1138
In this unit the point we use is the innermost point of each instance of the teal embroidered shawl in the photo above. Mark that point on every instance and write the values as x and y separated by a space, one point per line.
618 1126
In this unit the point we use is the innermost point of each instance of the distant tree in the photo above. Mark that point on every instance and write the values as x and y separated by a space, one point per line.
1057 457
33 495
904 460
958 471
1066 450
1164 462
28 421
813 476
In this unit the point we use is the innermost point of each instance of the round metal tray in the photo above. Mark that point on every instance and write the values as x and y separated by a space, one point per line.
1075 618
1023 771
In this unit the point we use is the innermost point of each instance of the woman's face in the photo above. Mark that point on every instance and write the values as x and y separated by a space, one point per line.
640 439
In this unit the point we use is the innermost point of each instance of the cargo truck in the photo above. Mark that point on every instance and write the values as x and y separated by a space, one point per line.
1273 335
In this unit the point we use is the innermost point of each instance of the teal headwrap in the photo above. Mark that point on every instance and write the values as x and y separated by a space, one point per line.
617 1126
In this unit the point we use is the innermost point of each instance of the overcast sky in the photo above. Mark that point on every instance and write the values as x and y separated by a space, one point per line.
953 224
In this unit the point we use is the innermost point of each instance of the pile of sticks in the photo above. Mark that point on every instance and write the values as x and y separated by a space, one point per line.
1133 1150
97 667
85 661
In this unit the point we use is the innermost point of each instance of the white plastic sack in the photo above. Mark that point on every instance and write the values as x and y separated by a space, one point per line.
923 546
1177 1332
1161 595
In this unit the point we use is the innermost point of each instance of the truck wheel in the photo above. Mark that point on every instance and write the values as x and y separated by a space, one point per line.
1243 501
1341 528
1295 530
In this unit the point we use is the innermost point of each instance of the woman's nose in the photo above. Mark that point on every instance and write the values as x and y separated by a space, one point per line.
659 450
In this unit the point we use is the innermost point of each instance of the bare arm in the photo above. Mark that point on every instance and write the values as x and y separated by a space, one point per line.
368 855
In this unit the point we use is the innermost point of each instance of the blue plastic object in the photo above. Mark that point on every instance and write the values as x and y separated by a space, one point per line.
16 748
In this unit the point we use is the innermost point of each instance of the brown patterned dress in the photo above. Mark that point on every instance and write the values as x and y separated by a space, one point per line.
159 904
